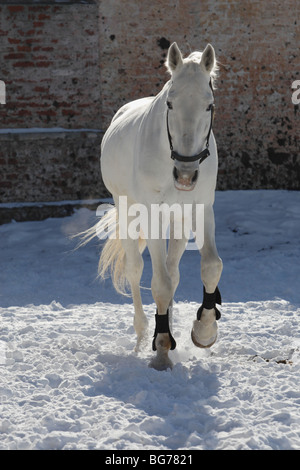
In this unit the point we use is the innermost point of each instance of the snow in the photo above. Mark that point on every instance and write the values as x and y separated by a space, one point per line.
69 378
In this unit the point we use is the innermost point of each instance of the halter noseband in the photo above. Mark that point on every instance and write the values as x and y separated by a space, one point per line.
200 156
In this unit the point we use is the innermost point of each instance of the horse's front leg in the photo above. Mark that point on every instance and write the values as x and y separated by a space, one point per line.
205 328
162 292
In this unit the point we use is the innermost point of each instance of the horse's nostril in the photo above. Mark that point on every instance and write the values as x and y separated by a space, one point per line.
175 173
195 176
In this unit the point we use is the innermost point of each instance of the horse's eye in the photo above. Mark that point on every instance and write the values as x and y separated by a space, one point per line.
169 104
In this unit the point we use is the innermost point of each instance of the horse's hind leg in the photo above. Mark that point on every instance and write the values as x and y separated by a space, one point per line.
134 265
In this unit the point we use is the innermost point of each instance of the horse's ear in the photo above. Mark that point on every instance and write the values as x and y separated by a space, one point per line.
208 59
174 59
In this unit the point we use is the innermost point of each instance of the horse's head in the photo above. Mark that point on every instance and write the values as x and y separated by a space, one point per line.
190 104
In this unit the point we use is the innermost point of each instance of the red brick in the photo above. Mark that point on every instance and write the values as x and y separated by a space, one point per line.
32 104
15 8
43 63
69 112
39 57
6 184
14 40
42 16
24 64
12 176
39 8
49 112
40 89
24 112
32 40
14 55
24 48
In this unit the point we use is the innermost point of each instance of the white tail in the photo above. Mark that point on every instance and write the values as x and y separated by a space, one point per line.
112 259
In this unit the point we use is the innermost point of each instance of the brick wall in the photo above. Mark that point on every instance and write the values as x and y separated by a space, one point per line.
72 65
50 64
257 46
50 167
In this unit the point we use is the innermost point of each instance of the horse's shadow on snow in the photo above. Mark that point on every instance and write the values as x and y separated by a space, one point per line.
169 398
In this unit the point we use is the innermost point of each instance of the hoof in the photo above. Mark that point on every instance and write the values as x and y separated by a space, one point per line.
161 363
204 334
196 343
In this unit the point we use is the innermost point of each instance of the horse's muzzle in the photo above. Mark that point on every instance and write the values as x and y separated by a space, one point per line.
185 180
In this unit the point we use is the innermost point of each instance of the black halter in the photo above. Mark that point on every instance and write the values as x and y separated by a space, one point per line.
200 156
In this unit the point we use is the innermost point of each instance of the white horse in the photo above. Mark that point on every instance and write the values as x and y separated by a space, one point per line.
160 150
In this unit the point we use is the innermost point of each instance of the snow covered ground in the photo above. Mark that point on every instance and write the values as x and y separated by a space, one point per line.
69 378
